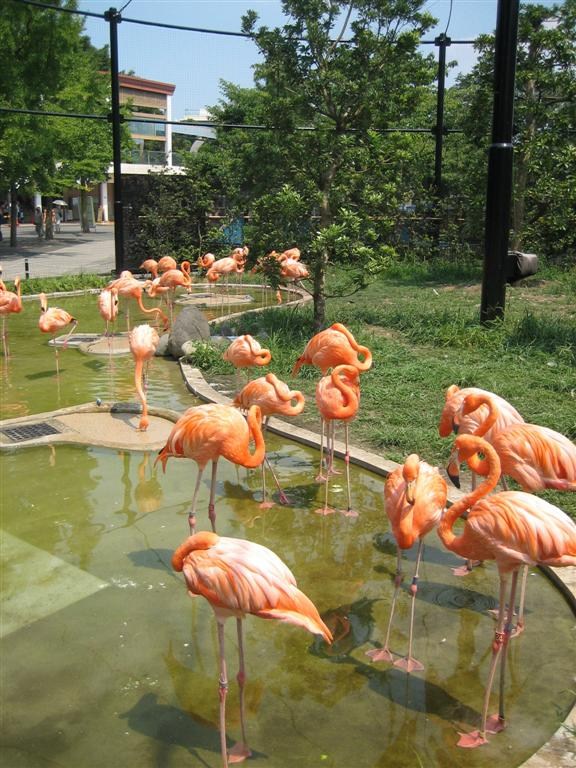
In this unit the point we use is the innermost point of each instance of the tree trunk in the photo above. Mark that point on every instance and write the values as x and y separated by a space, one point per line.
48 224
13 217
321 266
84 219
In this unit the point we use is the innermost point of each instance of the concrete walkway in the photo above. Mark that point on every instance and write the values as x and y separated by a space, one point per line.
72 252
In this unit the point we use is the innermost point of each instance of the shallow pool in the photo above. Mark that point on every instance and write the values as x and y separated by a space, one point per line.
108 662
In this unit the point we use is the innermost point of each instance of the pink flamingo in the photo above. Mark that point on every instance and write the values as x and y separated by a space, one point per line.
334 346
513 528
151 266
246 352
129 287
166 263
337 398
54 319
10 304
415 496
240 577
108 306
206 261
205 433
274 398
143 340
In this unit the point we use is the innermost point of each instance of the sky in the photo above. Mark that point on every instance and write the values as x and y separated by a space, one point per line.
196 62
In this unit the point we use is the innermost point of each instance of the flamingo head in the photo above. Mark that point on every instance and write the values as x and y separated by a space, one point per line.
410 472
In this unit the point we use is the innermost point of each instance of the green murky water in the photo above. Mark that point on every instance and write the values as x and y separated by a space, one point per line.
108 662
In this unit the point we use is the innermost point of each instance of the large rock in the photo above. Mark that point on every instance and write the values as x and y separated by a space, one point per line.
189 325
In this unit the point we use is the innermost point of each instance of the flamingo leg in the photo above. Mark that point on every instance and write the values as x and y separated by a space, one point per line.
349 511
192 513
384 653
211 508
497 723
240 751
56 354
409 663
283 498
320 477
5 337
519 628
477 738
326 510
222 692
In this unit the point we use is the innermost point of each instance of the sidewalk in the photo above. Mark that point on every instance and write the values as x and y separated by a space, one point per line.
72 252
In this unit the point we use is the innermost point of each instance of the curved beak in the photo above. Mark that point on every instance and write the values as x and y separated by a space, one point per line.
453 469
411 491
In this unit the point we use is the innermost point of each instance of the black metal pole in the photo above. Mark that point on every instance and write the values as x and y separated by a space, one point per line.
442 42
113 17
500 164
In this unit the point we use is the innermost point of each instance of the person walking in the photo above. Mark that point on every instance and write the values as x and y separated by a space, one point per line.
39 221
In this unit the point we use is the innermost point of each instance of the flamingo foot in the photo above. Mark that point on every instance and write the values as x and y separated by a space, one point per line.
380 654
325 511
495 724
333 471
517 630
320 478
466 569
471 740
239 752
266 505
409 664
350 513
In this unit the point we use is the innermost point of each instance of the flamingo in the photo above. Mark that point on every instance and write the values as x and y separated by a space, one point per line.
275 398
166 263
334 346
10 304
240 577
108 306
206 261
246 352
453 421
150 266
513 528
536 457
128 286
205 433
143 340
337 398
415 496
54 319
292 270
169 281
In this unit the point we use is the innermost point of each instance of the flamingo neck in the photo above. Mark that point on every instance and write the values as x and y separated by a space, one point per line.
255 429
349 395
490 420
469 499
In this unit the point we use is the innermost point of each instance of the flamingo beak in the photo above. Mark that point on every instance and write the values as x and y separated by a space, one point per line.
411 491
453 469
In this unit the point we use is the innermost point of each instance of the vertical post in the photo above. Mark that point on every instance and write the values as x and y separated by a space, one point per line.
500 164
114 18
442 42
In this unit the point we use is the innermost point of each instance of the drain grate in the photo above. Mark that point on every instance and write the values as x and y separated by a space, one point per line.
29 431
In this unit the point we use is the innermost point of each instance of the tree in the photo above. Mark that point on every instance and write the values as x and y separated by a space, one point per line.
345 71
544 205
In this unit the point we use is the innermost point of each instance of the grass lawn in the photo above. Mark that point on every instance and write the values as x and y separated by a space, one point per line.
422 325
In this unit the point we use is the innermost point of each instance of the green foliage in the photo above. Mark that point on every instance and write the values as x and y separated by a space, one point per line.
206 356
62 284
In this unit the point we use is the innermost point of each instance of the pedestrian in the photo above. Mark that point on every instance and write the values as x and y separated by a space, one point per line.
39 221
57 219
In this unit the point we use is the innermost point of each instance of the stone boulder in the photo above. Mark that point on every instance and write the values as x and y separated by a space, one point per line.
190 325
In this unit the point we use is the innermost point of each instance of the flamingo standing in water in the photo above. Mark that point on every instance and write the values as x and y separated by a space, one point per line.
415 498
513 528
536 457
168 282
143 340
205 433
128 286
205 261
452 420
240 577
108 306
10 304
246 352
334 346
337 399
274 398
54 319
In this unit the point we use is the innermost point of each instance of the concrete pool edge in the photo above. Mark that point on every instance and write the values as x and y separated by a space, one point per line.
560 750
